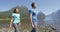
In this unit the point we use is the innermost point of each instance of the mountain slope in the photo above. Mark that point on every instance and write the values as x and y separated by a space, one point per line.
53 19
41 16
22 9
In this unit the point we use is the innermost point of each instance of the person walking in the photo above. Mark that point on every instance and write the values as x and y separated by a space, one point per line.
33 17
15 20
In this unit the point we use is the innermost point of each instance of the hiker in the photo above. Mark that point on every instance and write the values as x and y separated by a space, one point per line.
33 17
15 20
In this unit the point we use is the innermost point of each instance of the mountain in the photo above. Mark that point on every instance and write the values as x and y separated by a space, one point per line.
41 16
53 19
22 9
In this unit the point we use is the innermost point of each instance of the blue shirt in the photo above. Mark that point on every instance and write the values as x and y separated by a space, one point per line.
16 18
34 15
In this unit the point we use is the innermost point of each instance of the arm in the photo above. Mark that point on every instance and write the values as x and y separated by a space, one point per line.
31 20
11 21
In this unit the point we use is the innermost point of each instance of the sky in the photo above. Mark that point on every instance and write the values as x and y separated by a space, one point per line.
45 6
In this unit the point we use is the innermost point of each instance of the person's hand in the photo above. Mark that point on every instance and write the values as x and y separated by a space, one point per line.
19 25
32 25
10 26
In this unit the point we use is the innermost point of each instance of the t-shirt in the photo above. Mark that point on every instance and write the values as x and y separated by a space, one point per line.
34 15
16 17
